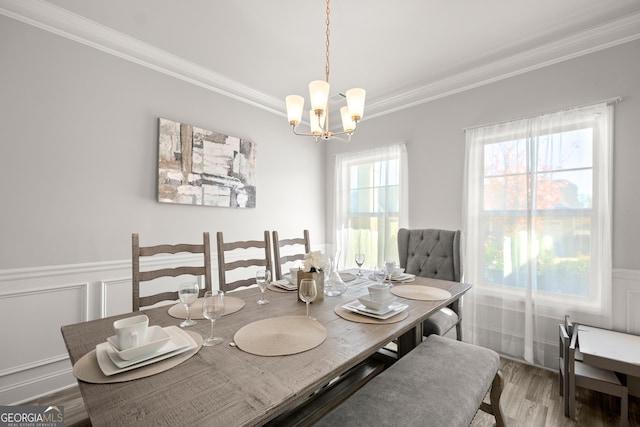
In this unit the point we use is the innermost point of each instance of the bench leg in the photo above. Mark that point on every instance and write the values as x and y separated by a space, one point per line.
495 408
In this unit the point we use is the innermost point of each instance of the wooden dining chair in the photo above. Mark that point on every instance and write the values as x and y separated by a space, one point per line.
574 373
145 253
290 246
238 266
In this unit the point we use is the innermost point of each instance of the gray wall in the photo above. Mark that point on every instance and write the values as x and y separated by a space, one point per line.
436 142
78 162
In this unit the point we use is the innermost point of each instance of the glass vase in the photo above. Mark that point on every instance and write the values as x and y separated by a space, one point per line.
333 284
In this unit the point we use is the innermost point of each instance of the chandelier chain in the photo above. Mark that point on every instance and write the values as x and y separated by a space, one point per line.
327 45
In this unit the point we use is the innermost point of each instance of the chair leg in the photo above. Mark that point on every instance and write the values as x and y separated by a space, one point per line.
570 401
560 382
459 330
624 408
494 407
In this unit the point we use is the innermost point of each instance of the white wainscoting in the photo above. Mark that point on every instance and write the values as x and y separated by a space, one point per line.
36 302
626 301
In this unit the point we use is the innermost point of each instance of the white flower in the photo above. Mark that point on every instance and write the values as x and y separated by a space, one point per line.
314 260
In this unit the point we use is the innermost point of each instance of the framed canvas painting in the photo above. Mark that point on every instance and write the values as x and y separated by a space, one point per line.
203 167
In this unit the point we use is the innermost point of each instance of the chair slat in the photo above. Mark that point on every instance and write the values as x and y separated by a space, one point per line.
171 249
171 272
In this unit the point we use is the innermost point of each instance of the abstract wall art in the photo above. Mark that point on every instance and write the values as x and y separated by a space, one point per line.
203 167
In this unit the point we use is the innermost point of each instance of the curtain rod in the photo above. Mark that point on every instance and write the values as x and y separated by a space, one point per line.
610 101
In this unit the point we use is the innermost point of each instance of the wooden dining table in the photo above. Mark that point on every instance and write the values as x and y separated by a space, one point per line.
226 386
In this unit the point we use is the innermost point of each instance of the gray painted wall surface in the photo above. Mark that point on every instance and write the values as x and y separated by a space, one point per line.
78 163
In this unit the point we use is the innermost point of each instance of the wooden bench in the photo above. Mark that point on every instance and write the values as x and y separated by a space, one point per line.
442 382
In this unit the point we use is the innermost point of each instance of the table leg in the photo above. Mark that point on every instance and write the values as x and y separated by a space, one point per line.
409 340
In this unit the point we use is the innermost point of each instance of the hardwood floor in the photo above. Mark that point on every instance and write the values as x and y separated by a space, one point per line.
530 398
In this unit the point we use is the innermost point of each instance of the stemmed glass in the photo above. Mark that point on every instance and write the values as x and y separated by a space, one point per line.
308 292
188 294
380 273
212 308
359 262
390 266
263 277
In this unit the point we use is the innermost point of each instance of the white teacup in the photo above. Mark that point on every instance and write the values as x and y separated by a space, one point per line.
397 272
379 292
131 332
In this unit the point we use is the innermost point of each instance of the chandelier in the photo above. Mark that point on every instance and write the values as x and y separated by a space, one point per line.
319 113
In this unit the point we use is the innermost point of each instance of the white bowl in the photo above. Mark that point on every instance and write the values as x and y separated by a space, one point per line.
374 304
156 338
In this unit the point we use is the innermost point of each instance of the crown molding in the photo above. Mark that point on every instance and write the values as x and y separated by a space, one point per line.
602 37
48 17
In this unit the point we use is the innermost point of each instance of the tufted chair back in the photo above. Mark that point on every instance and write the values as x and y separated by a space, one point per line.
430 253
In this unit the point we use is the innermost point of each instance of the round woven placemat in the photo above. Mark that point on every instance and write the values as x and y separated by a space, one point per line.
87 369
231 305
361 318
423 293
280 336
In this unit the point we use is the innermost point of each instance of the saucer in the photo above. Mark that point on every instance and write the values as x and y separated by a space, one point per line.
285 284
156 338
379 306
393 309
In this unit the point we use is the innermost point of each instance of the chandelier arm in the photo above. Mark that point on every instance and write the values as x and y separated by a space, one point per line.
301 133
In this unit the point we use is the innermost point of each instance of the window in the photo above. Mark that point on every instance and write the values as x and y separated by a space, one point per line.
538 228
370 203
537 205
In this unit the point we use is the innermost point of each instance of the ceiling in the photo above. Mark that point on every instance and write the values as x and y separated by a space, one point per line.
403 53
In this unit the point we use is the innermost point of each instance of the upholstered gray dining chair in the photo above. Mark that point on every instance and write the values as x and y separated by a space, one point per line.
434 253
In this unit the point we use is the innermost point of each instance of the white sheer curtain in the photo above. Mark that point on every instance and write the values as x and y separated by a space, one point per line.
371 203
537 219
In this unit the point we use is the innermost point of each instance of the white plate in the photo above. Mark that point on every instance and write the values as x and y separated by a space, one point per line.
284 284
379 307
111 364
156 339
356 307
403 277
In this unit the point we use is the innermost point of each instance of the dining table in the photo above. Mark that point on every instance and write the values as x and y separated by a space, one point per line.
227 386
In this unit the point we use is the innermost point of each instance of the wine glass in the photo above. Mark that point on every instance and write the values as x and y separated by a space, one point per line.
390 266
263 277
359 262
308 292
212 308
188 294
380 273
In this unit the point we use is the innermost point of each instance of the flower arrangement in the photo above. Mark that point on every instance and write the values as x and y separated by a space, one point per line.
314 261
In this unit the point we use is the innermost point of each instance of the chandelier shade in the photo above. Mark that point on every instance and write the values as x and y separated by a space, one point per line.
319 126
